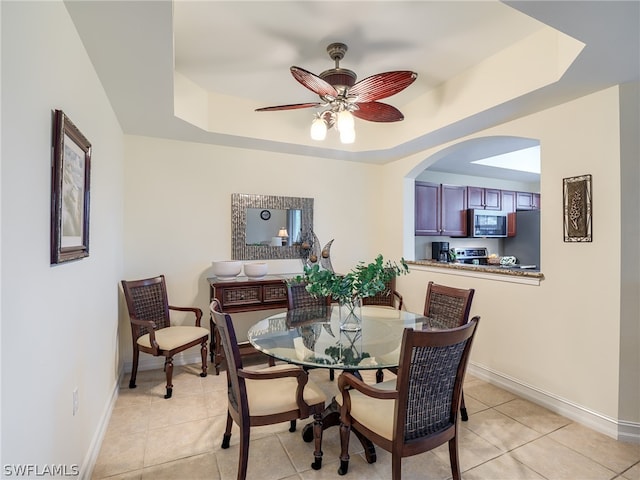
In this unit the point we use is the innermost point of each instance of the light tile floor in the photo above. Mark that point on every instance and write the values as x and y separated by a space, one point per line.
506 437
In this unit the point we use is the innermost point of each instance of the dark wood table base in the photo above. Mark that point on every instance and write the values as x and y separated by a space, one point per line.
331 418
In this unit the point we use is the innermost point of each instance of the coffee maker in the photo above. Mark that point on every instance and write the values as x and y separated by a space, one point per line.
440 251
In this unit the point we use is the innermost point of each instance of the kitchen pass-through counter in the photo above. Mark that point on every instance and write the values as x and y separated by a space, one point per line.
495 272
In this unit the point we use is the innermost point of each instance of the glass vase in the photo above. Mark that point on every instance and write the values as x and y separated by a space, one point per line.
351 315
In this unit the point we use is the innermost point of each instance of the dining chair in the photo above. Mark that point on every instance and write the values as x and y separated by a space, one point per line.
265 396
299 298
417 411
389 297
151 328
449 307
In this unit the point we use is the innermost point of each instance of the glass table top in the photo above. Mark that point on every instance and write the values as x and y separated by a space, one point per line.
312 337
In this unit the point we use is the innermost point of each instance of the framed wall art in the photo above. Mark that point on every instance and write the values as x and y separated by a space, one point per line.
70 175
577 208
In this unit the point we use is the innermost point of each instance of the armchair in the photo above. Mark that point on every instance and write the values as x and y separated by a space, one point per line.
418 410
265 396
151 328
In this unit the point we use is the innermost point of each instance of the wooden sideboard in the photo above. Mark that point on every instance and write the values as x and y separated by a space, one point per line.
241 294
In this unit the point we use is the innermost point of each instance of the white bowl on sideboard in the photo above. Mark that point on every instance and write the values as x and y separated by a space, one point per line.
255 270
226 268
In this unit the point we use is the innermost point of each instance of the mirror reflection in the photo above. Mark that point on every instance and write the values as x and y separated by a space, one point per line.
273 227
269 227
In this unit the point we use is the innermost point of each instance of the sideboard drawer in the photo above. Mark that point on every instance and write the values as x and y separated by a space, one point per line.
240 296
245 295
274 293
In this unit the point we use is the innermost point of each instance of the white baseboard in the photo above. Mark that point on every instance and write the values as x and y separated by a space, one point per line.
86 469
619 430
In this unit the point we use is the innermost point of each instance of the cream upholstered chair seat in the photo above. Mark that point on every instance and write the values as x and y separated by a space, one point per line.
173 337
374 413
278 394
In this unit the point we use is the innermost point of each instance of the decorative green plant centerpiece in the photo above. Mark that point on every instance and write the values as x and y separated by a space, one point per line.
365 280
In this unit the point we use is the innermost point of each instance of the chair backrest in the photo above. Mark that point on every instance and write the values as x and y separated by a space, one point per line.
385 298
147 300
236 387
298 297
448 306
430 377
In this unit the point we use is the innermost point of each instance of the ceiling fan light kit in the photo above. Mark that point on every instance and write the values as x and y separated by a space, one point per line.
343 98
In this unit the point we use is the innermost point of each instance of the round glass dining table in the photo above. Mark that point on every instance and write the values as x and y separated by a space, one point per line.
312 337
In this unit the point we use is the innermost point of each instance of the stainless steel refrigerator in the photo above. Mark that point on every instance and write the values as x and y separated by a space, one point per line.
525 246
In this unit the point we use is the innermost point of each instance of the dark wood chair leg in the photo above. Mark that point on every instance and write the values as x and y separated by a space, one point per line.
134 368
331 374
463 409
203 353
453 458
379 376
317 436
292 426
226 438
168 367
244 452
345 431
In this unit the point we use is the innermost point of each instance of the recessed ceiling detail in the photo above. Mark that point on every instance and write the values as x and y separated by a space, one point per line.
196 71
342 98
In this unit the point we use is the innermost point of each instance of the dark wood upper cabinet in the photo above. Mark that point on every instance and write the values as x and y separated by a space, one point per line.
527 201
440 209
427 209
454 210
484 198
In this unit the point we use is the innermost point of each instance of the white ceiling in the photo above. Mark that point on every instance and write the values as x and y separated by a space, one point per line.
236 56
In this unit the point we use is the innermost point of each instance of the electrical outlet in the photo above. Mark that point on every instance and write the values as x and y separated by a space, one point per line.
75 400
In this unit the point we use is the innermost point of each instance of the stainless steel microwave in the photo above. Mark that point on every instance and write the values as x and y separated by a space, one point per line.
487 223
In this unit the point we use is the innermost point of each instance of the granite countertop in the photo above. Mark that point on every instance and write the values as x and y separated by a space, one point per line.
497 269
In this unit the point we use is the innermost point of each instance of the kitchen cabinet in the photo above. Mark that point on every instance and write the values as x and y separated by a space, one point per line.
440 209
484 198
536 201
527 201
508 200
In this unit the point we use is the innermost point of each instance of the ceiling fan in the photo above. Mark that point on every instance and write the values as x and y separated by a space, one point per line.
343 98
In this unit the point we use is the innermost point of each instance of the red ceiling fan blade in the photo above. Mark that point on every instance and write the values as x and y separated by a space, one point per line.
382 85
313 82
294 106
377 112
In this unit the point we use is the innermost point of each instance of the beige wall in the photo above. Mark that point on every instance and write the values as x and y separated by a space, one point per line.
560 339
59 323
178 211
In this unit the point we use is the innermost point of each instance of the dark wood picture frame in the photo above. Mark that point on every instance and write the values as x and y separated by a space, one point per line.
70 188
577 208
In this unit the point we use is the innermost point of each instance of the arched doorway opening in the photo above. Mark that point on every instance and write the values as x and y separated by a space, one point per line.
470 163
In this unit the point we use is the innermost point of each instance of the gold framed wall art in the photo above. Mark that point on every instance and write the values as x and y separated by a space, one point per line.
577 208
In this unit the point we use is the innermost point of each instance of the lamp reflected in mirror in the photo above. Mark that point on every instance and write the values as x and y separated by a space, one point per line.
282 233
